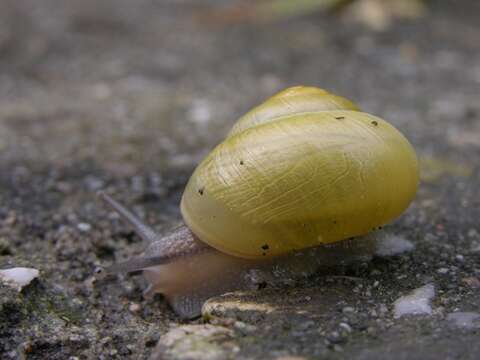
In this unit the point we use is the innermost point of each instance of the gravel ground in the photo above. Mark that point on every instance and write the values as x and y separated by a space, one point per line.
129 96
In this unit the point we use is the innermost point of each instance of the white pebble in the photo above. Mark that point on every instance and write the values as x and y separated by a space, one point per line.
442 270
345 326
18 277
417 302
390 244
84 227
134 307
467 320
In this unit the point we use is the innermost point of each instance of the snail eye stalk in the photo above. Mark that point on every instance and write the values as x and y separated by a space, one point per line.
143 230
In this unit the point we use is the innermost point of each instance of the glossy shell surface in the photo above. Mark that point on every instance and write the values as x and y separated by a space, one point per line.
302 169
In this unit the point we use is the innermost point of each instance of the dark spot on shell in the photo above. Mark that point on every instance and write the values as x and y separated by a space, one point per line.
374 123
265 247
201 190
380 228
339 117
264 254
351 238
241 162
335 222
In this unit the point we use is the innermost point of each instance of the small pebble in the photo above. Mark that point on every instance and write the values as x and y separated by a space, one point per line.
466 320
415 303
84 227
134 307
345 326
105 340
18 277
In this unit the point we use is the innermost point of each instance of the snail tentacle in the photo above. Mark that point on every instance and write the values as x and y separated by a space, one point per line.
133 264
143 230
143 262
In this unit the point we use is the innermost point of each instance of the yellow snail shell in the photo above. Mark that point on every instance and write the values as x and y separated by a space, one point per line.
304 168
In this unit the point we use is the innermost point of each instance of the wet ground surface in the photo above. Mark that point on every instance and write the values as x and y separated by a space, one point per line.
128 97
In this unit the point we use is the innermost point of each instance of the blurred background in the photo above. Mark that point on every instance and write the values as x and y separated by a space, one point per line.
154 84
128 96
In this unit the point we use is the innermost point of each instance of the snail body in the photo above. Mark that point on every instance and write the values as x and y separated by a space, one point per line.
302 171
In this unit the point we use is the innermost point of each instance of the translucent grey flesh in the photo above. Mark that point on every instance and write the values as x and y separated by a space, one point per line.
188 272
207 274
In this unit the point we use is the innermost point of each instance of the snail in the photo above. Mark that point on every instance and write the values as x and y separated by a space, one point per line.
296 179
